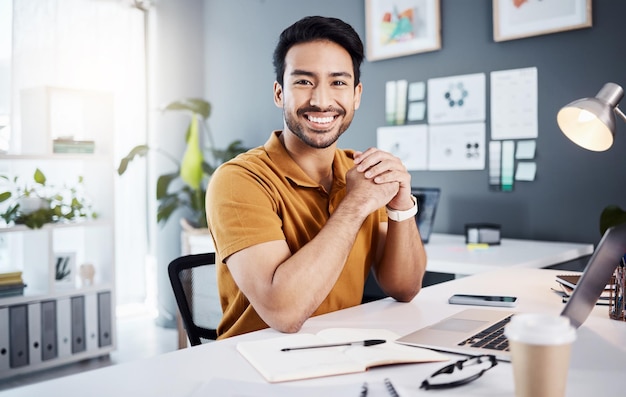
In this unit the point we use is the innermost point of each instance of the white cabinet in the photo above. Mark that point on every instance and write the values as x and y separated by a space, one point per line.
57 323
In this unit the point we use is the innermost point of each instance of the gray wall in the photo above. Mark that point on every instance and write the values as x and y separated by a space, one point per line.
572 185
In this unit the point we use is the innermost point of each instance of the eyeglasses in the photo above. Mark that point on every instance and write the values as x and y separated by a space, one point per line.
469 370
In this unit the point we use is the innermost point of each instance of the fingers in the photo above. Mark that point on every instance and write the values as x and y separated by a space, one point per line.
381 166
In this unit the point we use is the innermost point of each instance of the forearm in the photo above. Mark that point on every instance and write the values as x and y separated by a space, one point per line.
400 271
303 280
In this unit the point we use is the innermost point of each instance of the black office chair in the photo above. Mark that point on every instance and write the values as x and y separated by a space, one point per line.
184 273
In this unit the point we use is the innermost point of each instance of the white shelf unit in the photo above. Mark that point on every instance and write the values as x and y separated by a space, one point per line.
56 323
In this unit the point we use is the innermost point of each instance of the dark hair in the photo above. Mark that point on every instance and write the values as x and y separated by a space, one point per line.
316 28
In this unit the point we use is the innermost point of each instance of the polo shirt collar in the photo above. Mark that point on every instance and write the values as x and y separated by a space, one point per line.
292 171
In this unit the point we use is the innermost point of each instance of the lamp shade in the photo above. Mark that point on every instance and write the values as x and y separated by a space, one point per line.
590 122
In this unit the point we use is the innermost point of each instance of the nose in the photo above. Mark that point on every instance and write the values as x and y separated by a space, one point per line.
321 97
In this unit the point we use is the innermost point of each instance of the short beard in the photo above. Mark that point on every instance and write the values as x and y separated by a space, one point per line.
298 130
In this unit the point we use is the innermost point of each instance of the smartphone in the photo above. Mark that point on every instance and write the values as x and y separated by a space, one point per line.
483 300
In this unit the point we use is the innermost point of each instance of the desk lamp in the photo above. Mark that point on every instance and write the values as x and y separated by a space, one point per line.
590 122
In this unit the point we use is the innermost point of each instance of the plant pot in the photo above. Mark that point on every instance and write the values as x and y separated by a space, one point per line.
28 204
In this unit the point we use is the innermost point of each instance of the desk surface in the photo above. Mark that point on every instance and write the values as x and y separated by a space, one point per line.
216 369
449 254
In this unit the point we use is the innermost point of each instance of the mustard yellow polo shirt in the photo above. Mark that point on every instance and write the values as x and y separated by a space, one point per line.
262 196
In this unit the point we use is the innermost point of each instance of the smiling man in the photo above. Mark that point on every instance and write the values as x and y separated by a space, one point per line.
298 223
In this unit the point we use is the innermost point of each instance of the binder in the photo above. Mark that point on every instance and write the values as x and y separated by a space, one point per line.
4 339
49 348
34 333
78 324
105 337
18 336
91 322
64 327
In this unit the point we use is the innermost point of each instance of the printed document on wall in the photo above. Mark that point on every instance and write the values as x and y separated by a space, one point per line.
456 147
457 99
408 142
514 104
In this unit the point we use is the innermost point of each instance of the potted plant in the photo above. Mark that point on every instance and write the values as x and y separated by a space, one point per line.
186 186
37 203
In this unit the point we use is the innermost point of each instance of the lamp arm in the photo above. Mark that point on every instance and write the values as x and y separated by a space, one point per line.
620 113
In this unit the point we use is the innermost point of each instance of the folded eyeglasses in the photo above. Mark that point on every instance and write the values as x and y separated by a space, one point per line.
460 372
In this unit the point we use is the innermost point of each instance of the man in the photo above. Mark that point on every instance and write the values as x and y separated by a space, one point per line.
298 223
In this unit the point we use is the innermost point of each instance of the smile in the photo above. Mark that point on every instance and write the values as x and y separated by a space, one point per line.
321 120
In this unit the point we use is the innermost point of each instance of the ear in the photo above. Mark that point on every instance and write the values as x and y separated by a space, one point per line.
278 94
358 90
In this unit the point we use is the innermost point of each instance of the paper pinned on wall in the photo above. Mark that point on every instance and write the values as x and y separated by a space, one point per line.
456 147
457 99
417 91
408 142
416 112
514 104
526 171
526 150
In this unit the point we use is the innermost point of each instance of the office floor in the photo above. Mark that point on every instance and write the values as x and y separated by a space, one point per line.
137 335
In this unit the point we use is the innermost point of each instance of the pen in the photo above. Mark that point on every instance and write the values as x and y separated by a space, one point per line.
367 342
363 390
390 389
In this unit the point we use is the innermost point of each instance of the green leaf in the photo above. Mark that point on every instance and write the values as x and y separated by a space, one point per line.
193 105
191 164
4 196
163 183
612 215
140 150
39 177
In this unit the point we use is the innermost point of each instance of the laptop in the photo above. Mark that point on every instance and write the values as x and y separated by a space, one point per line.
427 200
464 332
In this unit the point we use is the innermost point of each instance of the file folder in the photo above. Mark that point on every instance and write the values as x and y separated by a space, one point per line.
78 324
105 337
18 336
48 330
64 327
4 339
34 333
91 322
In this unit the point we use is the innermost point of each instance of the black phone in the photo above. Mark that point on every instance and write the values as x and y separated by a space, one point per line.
483 300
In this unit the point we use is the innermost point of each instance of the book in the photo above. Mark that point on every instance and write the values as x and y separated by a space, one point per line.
72 146
12 290
568 283
11 278
276 365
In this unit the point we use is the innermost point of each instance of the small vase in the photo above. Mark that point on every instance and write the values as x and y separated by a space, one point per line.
29 204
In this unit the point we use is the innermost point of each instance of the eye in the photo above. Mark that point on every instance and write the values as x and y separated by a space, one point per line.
340 83
302 82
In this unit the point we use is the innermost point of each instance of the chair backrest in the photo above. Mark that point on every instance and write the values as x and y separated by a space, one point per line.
185 275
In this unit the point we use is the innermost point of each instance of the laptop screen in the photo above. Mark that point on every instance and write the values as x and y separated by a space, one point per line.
427 200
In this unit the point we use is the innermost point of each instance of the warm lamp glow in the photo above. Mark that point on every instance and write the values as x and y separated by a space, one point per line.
590 122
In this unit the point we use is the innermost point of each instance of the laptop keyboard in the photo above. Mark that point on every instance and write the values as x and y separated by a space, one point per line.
490 338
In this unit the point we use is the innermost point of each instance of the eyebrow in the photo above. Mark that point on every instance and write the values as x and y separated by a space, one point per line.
301 72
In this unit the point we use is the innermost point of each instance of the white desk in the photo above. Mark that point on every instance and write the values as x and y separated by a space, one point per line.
449 254
597 367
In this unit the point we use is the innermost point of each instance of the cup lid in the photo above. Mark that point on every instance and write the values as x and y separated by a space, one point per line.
540 329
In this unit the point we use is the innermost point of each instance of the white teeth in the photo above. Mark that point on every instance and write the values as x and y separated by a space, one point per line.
321 119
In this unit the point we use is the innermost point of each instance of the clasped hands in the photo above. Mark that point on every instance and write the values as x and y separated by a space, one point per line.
378 178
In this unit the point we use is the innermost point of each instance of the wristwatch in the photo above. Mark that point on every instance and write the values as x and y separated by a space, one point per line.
399 216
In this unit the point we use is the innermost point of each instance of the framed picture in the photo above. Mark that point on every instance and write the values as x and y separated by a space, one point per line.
401 27
65 269
516 19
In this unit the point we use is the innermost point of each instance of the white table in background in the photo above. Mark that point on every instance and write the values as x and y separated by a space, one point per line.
448 253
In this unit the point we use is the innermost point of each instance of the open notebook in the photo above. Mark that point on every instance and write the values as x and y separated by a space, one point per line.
463 331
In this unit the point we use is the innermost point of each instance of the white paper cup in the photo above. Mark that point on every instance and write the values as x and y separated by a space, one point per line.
540 347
